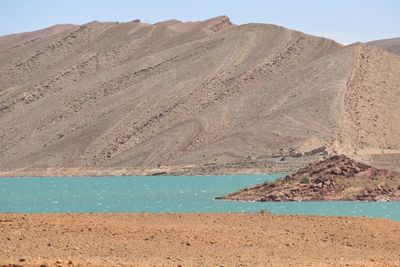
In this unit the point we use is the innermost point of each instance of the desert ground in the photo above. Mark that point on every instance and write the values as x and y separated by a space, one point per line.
196 240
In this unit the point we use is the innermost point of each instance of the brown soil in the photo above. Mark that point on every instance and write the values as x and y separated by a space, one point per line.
337 178
196 240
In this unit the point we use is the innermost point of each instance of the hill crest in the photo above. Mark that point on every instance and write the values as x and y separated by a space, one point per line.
139 95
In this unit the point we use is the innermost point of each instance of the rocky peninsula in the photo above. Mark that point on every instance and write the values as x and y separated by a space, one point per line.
336 178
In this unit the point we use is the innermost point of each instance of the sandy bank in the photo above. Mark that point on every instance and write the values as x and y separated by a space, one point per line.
197 240
270 165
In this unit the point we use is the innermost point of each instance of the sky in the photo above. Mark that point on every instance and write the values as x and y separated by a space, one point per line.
346 21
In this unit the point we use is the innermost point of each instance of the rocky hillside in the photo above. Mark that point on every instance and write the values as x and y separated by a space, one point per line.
390 45
21 39
371 100
173 93
337 178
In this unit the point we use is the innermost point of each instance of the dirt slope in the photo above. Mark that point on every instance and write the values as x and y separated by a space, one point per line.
13 41
370 126
174 93
390 45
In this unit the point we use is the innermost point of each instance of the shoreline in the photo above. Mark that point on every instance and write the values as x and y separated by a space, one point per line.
153 239
168 171
236 168
117 174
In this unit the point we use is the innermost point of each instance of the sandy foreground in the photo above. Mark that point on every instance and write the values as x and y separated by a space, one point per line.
196 240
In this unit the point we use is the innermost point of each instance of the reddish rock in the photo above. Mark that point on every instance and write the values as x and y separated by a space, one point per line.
337 178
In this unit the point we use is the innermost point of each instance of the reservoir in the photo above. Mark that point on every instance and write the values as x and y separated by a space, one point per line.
182 194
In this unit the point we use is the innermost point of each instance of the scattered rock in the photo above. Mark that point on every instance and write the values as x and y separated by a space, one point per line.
337 178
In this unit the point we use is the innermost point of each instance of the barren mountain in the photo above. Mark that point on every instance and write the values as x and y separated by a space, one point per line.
21 39
390 45
173 93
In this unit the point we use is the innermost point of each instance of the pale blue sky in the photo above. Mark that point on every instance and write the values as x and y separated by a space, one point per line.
346 21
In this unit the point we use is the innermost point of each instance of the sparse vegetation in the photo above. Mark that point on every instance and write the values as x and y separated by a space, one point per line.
265 212
305 180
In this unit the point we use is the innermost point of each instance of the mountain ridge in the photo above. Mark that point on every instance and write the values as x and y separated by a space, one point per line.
172 93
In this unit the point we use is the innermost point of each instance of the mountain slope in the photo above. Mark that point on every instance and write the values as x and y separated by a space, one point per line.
174 93
372 100
389 45
14 41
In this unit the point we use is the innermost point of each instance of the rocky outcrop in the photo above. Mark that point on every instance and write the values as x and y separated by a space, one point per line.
337 178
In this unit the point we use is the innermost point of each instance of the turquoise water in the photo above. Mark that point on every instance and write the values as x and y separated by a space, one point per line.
161 194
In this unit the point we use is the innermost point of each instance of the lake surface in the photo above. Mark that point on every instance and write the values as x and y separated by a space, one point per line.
162 194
